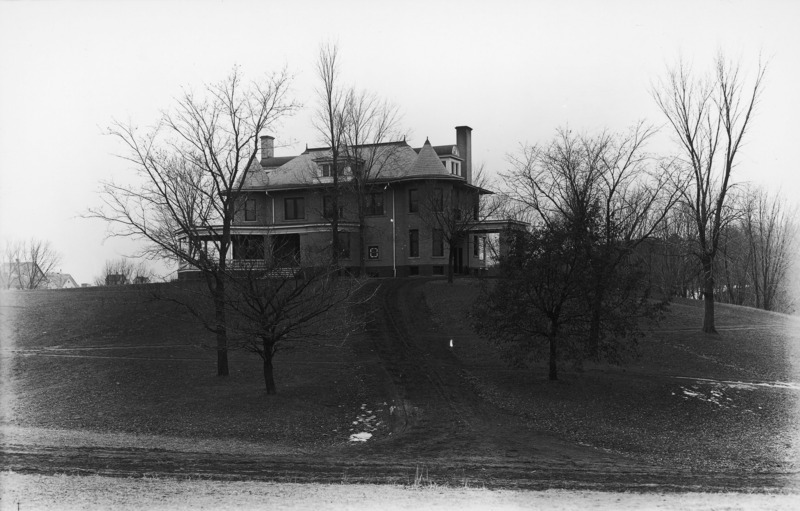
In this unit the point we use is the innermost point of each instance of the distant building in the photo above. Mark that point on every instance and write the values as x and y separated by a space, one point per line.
59 281
21 275
116 279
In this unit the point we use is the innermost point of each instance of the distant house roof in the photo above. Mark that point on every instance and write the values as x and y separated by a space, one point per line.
60 281
18 274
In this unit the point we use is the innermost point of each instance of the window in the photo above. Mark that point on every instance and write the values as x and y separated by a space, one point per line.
455 200
374 204
444 162
373 252
413 243
327 207
438 199
328 167
454 168
413 270
250 210
438 243
413 201
437 270
475 246
294 208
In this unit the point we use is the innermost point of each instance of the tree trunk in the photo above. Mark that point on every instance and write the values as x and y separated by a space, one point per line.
221 328
362 236
708 295
269 375
451 261
594 322
553 353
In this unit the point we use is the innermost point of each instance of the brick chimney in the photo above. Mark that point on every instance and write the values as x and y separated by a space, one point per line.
267 147
464 143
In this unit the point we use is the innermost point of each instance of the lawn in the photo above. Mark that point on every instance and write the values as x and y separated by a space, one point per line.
116 360
672 405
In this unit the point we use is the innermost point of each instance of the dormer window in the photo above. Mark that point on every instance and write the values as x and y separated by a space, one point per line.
327 168
455 168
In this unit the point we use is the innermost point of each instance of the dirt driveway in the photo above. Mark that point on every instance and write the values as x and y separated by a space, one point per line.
442 434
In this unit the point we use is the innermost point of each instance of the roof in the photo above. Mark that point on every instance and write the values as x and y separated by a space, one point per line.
275 161
391 161
450 150
59 280
427 162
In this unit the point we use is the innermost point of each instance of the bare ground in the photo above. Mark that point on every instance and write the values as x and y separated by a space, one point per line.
453 413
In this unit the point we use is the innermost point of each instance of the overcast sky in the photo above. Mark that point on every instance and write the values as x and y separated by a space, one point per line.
512 70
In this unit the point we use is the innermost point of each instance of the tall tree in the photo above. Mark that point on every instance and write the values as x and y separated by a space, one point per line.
329 122
367 124
710 116
618 195
273 311
535 308
190 169
769 228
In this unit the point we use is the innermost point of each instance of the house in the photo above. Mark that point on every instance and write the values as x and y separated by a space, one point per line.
285 210
21 275
116 279
60 281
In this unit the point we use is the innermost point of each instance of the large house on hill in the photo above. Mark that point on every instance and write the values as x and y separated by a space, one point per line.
285 208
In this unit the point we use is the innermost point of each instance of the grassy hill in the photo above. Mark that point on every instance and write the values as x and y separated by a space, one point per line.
113 360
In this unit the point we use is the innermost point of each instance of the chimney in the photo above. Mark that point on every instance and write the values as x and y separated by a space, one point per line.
464 143
267 147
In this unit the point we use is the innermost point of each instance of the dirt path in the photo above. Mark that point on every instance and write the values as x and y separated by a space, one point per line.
442 432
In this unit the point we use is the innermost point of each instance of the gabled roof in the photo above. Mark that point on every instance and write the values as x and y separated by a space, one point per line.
390 161
59 280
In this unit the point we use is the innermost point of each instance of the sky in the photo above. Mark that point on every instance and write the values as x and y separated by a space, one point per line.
514 71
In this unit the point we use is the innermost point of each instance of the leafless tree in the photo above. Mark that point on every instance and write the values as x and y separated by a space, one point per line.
710 117
610 187
191 168
452 212
129 272
27 263
272 312
672 267
368 123
329 122
770 230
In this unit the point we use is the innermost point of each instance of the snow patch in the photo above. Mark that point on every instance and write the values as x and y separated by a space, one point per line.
360 437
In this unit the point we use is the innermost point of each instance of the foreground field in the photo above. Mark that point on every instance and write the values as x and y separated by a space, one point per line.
93 492
105 381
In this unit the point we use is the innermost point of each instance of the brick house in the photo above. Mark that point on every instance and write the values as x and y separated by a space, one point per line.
285 209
